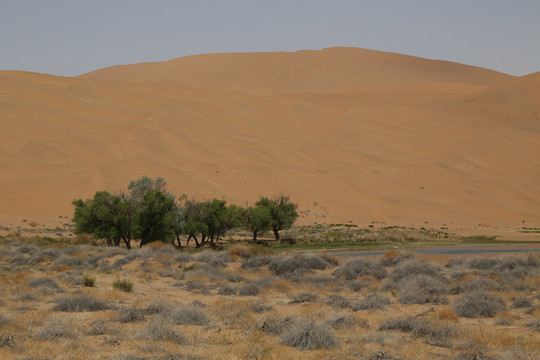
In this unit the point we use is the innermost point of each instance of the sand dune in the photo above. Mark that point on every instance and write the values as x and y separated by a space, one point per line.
351 134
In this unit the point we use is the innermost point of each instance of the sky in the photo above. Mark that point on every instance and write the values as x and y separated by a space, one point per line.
72 37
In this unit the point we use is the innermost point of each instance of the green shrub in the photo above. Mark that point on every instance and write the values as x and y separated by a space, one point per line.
123 285
89 280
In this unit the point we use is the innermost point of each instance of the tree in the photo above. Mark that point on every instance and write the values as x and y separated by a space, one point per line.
148 212
156 218
106 216
257 219
282 212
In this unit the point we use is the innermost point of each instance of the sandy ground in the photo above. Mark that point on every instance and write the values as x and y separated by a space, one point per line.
350 134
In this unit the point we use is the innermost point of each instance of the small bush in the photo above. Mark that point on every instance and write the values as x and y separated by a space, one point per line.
189 315
97 327
213 258
44 283
414 267
123 285
58 327
372 301
227 290
256 262
79 303
303 298
89 280
158 307
434 335
392 258
4 319
337 301
277 326
477 304
308 335
535 324
250 289
131 314
342 321
159 329
355 268
283 265
521 303
422 289
478 283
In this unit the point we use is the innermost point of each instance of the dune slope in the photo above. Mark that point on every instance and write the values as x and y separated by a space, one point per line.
415 141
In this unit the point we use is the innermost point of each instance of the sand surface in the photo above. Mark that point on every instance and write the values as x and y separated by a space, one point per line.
351 134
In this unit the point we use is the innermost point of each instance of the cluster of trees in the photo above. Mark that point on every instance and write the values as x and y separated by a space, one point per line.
148 213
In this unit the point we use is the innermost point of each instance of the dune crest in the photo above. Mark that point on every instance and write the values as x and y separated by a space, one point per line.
351 134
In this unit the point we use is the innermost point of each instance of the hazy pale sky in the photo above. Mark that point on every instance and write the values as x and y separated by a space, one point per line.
71 37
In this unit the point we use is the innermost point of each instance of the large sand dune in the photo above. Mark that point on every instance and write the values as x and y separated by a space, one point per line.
351 134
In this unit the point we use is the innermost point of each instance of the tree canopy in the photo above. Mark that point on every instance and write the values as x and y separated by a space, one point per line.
149 213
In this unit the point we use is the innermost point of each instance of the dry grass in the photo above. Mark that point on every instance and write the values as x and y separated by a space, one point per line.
248 304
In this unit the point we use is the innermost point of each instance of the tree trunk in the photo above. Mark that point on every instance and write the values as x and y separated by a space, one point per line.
109 242
255 237
128 243
276 234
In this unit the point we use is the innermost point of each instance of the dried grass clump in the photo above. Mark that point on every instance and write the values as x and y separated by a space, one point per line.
43 283
521 302
189 315
227 290
337 301
97 327
125 285
438 335
477 304
284 265
58 328
304 298
309 335
479 283
414 266
213 258
422 289
475 355
372 301
249 289
4 319
159 329
89 280
80 303
277 326
182 258
342 321
394 257
535 324
256 262
158 306
131 314
355 268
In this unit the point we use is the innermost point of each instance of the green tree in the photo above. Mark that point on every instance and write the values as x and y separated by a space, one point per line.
257 220
282 212
155 219
106 216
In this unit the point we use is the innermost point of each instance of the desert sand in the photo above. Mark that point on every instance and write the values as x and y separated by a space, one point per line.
351 134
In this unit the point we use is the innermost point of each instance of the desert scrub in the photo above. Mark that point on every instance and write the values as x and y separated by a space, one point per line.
43 283
189 315
159 329
123 285
414 266
422 289
131 314
477 304
58 328
355 268
89 280
79 303
289 264
309 335
372 301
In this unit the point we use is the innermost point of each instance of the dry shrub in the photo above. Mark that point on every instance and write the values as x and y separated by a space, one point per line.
477 304
447 314
422 289
125 285
521 302
43 283
394 257
58 328
372 301
309 335
79 303
256 262
277 326
479 283
131 314
433 334
337 301
159 329
249 289
342 321
213 258
414 266
303 298
97 327
189 315
355 268
288 264
227 290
